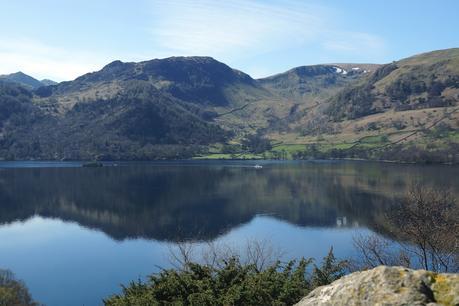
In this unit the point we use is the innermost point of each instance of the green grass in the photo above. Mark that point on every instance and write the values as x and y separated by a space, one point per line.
341 146
216 156
289 147
325 147
453 136
290 151
378 139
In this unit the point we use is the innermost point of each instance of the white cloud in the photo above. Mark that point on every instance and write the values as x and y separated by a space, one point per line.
353 42
233 31
44 61
232 27
236 29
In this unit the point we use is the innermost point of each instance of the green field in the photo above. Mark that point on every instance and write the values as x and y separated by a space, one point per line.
217 156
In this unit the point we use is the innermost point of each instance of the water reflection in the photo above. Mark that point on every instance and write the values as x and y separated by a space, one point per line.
175 202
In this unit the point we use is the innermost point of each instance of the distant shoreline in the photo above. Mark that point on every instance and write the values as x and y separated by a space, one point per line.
112 163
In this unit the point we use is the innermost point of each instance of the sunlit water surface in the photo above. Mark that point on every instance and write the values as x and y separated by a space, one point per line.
75 234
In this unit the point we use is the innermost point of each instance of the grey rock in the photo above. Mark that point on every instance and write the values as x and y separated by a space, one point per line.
388 286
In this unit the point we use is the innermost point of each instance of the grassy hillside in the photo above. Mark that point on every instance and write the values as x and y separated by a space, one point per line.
308 82
138 123
407 110
214 91
305 90
422 81
183 107
403 111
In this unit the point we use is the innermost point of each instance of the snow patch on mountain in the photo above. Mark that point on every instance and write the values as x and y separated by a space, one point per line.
340 70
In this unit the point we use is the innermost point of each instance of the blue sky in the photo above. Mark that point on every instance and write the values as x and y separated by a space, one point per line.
64 39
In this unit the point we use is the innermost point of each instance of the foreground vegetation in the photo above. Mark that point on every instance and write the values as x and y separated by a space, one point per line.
14 292
231 282
426 223
424 228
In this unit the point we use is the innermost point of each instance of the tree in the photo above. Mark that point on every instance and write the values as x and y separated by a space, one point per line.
428 218
427 223
13 292
330 270
256 144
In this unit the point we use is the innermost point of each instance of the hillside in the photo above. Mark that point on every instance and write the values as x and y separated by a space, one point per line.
139 123
304 91
47 82
319 81
406 110
208 88
199 80
25 80
183 107
423 81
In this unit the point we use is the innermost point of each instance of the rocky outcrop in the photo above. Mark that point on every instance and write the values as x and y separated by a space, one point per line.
388 286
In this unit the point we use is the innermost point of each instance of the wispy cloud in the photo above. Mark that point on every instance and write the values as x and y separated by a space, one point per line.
232 27
353 42
236 29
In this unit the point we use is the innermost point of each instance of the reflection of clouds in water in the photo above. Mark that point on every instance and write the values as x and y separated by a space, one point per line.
341 221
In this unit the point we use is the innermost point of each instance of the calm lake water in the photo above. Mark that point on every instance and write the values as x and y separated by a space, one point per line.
75 234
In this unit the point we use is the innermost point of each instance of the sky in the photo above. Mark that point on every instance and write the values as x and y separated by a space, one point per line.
61 40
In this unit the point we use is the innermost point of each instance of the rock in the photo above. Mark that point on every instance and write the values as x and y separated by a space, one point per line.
388 286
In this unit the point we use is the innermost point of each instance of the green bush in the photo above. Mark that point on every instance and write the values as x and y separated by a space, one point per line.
231 283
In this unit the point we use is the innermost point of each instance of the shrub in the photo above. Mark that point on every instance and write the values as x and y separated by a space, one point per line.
231 283
13 292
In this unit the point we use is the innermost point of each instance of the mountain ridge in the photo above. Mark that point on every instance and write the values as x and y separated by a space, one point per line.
25 80
185 101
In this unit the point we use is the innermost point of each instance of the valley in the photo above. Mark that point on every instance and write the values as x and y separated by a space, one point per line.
197 107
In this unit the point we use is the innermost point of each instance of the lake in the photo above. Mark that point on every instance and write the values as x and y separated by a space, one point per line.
75 234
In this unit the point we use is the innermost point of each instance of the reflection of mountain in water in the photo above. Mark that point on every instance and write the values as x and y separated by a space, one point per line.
202 202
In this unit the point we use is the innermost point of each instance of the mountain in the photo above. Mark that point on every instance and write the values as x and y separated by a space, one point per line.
139 123
21 78
199 80
182 107
25 80
423 81
47 82
305 89
406 110
206 87
308 82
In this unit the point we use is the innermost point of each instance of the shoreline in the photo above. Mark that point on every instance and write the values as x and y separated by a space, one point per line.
198 160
